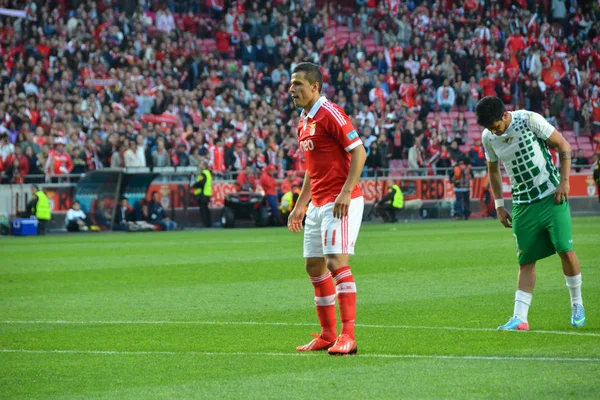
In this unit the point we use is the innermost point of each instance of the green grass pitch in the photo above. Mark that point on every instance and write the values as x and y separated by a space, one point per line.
218 314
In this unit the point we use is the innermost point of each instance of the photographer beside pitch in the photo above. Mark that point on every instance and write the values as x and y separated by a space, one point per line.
541 221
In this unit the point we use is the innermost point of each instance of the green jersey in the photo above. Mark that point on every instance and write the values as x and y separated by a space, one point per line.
523 150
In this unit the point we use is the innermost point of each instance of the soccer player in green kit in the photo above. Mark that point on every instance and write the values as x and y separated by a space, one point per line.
541 221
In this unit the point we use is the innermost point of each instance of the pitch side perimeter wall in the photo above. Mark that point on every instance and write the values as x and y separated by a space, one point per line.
175 196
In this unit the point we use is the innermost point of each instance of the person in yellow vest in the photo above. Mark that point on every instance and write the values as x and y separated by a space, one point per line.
39 207
288 201
202 189
391 203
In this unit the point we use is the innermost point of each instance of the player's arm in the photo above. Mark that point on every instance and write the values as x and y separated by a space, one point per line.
389 196
496 185
69 164
358 157
495 179
342 203
342 131
199 182
304 196
564 154
547 132
297 214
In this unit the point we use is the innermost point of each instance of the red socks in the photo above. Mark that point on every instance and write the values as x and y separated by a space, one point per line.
346 293
325 303
325 294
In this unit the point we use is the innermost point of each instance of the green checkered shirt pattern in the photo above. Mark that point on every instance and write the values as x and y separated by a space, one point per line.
525 155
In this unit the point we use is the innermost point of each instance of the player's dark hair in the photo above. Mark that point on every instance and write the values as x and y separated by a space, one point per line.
489 110
312 72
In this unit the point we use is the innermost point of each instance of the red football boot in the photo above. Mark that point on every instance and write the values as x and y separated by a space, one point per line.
316 344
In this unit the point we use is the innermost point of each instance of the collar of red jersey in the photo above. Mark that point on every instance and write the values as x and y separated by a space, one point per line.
315 107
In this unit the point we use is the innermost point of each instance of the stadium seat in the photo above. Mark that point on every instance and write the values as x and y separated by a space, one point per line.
368 42
371 48
584 140
589 153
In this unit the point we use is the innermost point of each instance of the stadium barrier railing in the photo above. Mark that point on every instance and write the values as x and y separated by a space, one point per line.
422 187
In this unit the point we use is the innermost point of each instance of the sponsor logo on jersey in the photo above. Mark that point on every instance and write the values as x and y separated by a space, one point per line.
508 140
352 135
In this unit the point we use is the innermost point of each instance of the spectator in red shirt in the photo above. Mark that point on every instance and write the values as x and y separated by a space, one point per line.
597 143
596 115
18 155
223 37
269 185
515 43
190 24
470 5
246 180
287 183
15 172
488 85
59 162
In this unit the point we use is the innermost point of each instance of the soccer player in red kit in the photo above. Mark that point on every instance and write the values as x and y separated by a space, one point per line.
334 157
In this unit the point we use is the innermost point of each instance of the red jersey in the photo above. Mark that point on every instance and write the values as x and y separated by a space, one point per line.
217 158
286 186
23 162
515 43
245 180
407 94
488 86
597 143
269 184
596 111
326 136
62 163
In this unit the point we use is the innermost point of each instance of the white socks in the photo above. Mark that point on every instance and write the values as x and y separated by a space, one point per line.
574 285
523 299
522 303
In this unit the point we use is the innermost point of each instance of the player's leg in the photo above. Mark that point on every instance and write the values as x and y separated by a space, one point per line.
389 213
467 204
393 214
572 271
339 239
338 265
560 230
532 244
523 296
383 211
320 278
203 202
458 206
273 209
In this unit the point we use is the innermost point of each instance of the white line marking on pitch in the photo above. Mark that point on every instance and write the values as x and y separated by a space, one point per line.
258 323
269 354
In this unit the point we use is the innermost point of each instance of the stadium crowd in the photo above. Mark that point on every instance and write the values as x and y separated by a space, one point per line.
96 84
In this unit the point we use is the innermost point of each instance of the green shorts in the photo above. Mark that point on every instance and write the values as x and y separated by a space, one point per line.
541 229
